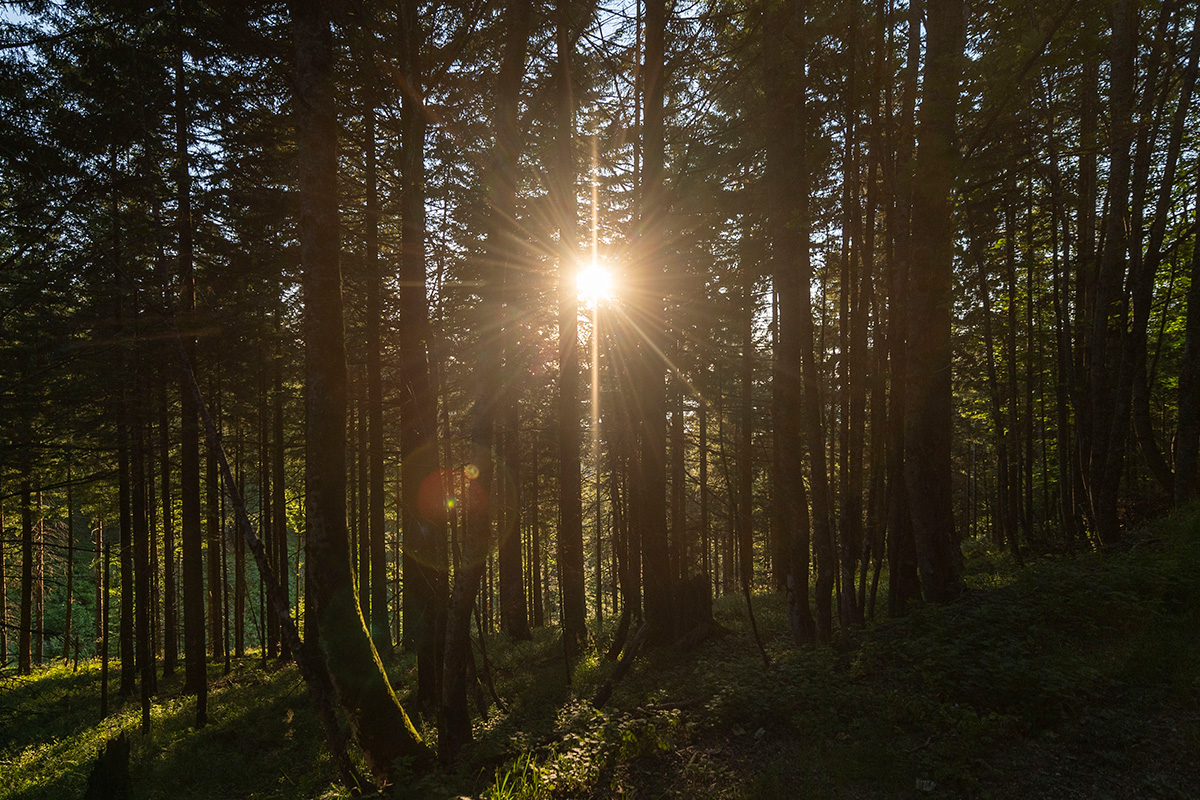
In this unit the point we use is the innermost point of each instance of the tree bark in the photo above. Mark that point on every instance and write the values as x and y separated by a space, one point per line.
382 729
195 678
170 609
929 411
380 632
903 581
424 554
145 659
786 187
570 530
1107 456
656 563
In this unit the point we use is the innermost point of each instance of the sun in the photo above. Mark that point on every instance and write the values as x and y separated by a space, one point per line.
594 281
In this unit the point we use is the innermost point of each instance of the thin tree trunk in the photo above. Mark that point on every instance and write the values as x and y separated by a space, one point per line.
4 595
278 485
170 610
140 536
195 677
70 601
213 555
24 640
374 277
106 553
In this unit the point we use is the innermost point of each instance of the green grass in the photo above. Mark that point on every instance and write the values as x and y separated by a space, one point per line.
1049 665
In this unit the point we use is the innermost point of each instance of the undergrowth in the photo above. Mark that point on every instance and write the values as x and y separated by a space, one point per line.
929 703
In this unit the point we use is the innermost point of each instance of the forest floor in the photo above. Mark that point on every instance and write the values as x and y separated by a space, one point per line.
1075 677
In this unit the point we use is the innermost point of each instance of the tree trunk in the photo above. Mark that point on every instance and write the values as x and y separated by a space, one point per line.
424 529
1107 455
929 411
195 678
24 640
216 618
903 581
570 531
70 601
3 595
382 729
142 572
656 564
170 610
785 167
380 632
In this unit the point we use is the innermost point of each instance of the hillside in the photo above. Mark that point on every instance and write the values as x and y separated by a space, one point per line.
1076 677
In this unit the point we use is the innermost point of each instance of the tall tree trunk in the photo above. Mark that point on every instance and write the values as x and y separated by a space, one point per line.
105 556
424 529
1107 456
382 729
278 485
216 628
785 168
195 678
903 581
570 503
380 632
70 600
853 342
930 399
746 429
239 561
364 516
39 595
656 565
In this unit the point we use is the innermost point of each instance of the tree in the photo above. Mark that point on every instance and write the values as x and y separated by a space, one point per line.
381 727
570 504
424 533
929 402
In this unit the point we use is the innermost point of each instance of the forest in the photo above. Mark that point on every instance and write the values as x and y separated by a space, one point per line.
531 399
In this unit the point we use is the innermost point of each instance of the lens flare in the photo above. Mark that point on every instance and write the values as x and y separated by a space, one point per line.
595 282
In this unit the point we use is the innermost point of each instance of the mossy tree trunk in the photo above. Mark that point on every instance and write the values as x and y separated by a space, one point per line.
381 727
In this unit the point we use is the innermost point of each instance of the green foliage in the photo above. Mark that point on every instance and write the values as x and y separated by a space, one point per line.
1071 656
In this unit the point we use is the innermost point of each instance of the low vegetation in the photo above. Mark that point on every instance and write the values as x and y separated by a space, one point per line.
1078 676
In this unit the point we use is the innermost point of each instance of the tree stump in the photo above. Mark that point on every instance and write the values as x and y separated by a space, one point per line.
109 779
